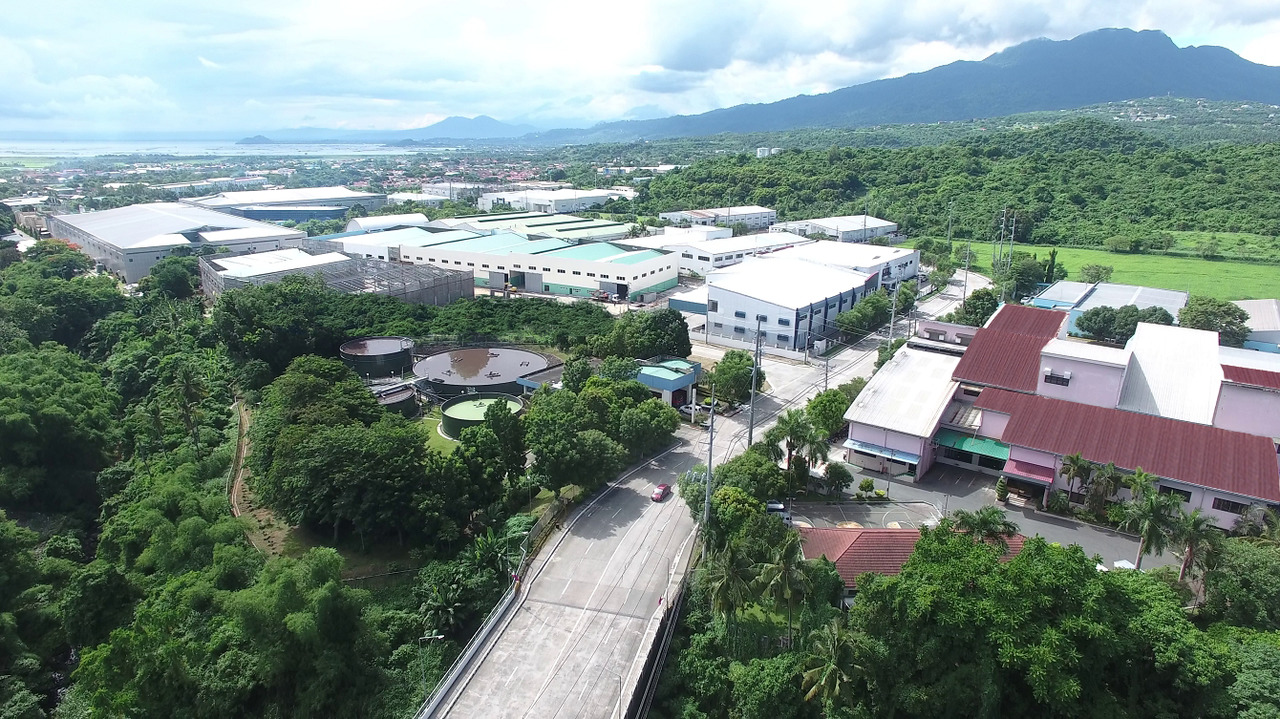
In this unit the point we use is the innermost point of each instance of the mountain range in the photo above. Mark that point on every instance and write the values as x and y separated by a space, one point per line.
1097 67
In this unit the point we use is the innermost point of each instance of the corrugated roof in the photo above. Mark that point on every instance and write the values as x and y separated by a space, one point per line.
1065 291
793 284
1006 353
1249 375
283 197
858 551
1107 294
379 222
1264 315
908 394
984 446
1086 351
264 263
1173 372
136 225
1234 462
851 255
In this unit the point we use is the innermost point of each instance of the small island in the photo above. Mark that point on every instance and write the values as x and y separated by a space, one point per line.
256 140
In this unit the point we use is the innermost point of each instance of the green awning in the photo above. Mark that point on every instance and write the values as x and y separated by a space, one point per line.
977 445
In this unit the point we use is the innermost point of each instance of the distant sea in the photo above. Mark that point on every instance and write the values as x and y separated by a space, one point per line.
188 148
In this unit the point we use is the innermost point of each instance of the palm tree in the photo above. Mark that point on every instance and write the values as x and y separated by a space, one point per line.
1199 534
831 665
443 608
729 576
782 577
798 438
1076 468
988 524
1259 524
1140 483
1150 515
1103 486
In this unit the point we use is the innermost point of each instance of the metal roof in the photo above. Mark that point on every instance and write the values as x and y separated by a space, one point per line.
1065 291
984 446
1086 351
908 394
845 223
501 243
136 225
1173 372
1106 294
1006 353
262 263
1234 462
1264 315
794 284
853 255
283 197
379 222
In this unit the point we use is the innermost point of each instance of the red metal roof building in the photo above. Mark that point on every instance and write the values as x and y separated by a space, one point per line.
858 551
1251 376
1234 462
1006 353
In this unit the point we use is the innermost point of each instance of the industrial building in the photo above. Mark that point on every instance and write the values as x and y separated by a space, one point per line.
419 198
849 228
1021 396
299 205
754 217
341 273
213 184
1076 298
128 241
546 201
762 152
502 259
540 224
892 264
385 222
1263 323
700 254
792 302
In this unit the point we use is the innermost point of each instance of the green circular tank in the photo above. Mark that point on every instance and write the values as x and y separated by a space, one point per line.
468 410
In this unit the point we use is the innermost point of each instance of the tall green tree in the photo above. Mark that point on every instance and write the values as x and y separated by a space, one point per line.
1151 515
826 411
1199 537
987 524
1215 315
781 578
1076 468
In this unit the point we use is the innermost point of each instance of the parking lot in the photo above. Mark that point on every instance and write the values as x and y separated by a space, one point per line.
894 515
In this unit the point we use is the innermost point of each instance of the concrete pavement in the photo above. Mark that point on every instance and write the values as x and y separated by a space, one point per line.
574 644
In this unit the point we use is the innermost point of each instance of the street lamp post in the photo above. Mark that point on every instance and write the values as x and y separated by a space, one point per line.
422 658
755 364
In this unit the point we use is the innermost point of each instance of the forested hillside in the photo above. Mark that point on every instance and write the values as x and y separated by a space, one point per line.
1073 183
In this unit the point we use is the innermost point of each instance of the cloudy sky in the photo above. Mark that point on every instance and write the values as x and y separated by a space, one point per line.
259 65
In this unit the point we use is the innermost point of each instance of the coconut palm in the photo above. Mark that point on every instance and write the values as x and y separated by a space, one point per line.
729 576
1104 485
1150 515
799 439
782 578
988 524
1140 483
1076 468
831 665
1259 524
1199 536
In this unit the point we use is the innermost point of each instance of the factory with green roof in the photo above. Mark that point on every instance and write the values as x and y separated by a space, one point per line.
506 259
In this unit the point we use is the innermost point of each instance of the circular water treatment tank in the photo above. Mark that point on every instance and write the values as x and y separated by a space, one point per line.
468 410
478 369
401 399
378 356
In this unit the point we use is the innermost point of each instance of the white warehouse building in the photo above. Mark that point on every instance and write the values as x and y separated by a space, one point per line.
701 256
849 228
549 201
129 241
892 264
793 302
754 217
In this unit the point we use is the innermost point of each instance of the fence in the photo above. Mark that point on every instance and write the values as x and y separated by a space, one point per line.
651 673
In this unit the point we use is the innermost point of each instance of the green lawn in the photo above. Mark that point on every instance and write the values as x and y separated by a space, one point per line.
435 440
1217 278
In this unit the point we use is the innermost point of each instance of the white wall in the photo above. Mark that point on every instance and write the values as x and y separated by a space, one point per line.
557 270
1091 383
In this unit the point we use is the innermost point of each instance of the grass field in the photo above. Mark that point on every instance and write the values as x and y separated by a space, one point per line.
1216 278
435 440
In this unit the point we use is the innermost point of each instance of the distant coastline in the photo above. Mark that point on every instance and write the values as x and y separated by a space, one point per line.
18 149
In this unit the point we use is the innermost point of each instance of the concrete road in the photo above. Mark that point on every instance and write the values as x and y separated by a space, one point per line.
575 643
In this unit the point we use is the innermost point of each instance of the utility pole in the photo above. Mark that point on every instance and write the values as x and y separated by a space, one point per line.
755 365
893 317
826 373
706 501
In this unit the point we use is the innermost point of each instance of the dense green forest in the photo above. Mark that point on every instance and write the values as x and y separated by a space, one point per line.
126 586
1078 182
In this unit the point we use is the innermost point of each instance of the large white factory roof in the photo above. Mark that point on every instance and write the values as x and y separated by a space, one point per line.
265 263
1264 315
379 222
1106 294
1174 372
282 197
851 255
721 245
161 224
786 283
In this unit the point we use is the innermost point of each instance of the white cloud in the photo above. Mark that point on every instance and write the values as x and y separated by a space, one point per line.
403 63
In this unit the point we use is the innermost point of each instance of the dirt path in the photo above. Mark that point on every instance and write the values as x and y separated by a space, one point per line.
263 529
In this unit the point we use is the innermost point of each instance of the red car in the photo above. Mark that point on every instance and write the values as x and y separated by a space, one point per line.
661 492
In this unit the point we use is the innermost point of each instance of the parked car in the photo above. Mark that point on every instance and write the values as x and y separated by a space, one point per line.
686 410
661 492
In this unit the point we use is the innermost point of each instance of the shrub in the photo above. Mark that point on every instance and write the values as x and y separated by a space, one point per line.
1059 503
866 486
1002 489
881 494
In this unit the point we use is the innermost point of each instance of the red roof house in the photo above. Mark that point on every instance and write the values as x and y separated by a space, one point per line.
858 551
1006 353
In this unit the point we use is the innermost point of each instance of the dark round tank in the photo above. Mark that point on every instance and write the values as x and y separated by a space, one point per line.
478 369
378 356
401 399
468 410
